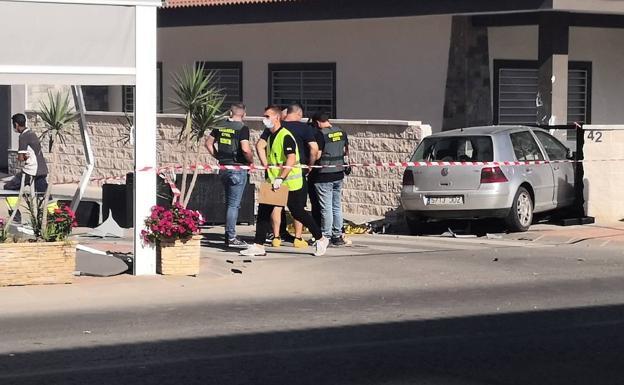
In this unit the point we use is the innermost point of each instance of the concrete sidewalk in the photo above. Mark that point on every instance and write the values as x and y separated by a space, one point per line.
220 281
601 234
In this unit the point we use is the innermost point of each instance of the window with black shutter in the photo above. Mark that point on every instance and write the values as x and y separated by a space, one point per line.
127 93
515 91
311 84
228 78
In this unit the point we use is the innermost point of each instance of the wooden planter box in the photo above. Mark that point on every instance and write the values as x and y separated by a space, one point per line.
179 257
37 263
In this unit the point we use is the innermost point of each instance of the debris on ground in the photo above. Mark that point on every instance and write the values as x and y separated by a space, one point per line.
453 234
353 229
493 236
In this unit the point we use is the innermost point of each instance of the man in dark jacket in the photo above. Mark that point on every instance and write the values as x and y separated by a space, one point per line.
229 144
327 181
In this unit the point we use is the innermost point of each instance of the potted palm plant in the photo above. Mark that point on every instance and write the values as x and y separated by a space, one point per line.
201 102
58 116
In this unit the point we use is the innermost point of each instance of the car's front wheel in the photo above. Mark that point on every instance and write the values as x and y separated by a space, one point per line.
520 216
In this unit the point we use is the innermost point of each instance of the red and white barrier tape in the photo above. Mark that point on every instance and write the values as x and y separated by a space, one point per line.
169 176
166 172
214 167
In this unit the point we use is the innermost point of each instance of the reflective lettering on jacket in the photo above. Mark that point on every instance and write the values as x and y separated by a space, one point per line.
277 157
334 150
229 150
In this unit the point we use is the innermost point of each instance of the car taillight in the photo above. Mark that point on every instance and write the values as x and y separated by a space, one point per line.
408 178
492 175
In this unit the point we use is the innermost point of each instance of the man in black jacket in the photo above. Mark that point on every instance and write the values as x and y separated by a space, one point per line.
229 144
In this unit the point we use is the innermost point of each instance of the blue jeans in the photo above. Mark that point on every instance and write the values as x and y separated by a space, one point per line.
330 203
234 182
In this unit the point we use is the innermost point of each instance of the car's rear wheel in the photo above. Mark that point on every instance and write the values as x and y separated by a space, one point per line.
415 225
520 216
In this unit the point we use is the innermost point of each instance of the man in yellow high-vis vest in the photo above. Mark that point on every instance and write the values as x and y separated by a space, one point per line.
281 150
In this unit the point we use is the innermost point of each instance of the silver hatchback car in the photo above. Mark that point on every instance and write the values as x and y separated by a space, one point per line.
473 191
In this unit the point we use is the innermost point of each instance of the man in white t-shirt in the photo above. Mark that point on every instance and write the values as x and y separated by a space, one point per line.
29 152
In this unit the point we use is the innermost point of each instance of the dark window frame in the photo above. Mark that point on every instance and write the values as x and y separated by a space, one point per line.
159 90
159 71
226 65
533 64
124 99
329 66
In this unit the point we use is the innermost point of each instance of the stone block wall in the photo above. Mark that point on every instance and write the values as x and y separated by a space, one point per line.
603 179
367 191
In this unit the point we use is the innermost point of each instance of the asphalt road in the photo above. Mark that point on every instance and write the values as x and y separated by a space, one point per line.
546 316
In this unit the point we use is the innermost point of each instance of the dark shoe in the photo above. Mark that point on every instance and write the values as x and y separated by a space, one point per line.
236 244
286 237
269 238
337 241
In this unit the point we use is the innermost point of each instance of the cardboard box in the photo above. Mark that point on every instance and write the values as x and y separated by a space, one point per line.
268 196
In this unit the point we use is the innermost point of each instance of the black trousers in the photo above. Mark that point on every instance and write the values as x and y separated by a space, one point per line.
307 190
296 205
314 202
40 182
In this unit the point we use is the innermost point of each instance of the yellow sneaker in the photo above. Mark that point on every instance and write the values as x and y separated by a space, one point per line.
276 242
300 243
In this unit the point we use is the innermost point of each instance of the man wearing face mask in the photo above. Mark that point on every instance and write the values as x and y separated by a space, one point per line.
306 143
282 150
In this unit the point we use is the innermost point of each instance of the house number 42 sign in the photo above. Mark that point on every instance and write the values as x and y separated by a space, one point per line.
594 136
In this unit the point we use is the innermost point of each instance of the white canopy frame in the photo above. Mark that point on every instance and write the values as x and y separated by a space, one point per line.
95 42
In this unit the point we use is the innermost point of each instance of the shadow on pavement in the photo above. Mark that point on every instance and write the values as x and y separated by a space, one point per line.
573 346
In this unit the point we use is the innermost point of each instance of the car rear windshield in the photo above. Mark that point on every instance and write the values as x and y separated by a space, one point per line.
454 149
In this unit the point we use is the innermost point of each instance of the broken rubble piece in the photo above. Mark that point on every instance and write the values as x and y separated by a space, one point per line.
452 234
97 263
109 228
493 236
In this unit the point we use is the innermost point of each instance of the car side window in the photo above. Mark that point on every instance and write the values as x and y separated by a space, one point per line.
554 149
525 147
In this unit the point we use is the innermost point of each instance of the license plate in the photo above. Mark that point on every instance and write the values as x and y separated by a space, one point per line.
447 200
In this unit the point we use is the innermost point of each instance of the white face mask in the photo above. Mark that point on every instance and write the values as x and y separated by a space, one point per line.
268 123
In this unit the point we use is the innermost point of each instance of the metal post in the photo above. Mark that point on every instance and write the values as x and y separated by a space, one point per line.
86 143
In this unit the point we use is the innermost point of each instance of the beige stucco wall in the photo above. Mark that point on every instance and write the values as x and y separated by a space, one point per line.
386 68
603 47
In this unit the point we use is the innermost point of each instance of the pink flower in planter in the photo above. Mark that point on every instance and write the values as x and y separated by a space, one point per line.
176 223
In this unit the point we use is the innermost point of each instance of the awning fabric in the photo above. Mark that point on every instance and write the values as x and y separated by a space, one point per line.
48 43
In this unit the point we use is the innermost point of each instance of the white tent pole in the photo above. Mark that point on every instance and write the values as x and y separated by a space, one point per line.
86 143
145 135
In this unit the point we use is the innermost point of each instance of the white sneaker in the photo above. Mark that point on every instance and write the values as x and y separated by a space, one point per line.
321 246
253 251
